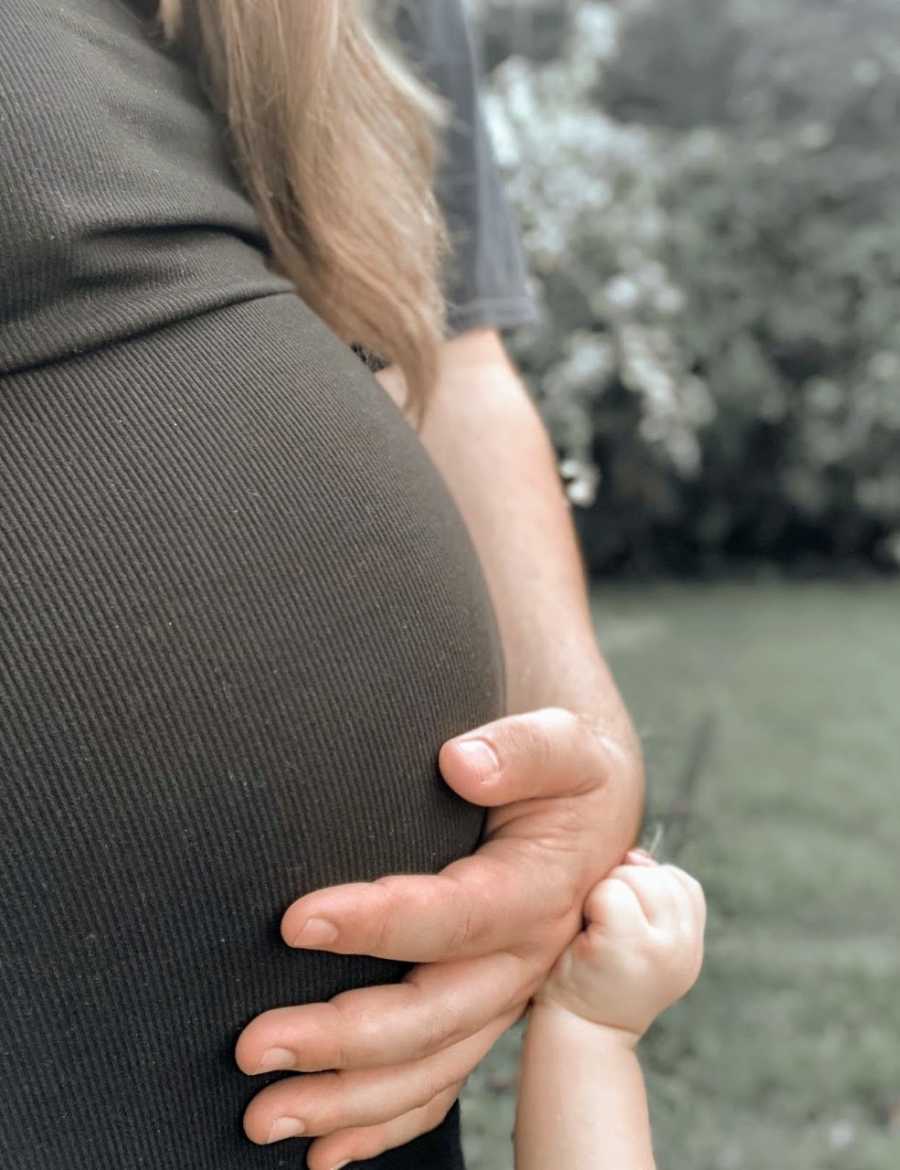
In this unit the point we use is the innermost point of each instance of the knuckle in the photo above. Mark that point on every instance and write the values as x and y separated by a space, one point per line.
430 1086
348 1020
690 888
479 918
688 973
609 894
464 930
661 943
561 731
432 1033
539 735
527 740
562 721
437 1109
381 916
461 936
444 1075
617 881
598 899
326 1110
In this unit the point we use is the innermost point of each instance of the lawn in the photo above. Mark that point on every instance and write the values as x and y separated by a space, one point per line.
770 715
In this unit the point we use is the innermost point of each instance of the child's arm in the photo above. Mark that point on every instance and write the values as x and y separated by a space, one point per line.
582 1103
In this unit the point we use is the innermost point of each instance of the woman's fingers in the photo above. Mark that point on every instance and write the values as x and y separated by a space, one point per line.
550 770
489 925
326 1102
545 753
356 1145
494 900
435 1007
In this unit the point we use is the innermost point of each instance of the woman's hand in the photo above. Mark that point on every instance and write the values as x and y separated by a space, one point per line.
565 802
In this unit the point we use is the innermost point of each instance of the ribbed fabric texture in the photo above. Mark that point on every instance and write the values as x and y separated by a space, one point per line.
119 210
239 616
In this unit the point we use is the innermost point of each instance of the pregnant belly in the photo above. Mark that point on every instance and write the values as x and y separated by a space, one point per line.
239 616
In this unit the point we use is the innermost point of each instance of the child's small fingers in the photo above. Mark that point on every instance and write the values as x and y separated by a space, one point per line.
693 892
613 906
687 880
640 857
653 888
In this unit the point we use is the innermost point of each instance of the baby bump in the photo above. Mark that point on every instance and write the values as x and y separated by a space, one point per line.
240 615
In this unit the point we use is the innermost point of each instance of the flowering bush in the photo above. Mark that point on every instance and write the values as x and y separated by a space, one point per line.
711 206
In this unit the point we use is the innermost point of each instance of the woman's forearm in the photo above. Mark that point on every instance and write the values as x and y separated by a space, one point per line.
582 1102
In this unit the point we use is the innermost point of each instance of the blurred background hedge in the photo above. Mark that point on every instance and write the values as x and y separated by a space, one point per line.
709 191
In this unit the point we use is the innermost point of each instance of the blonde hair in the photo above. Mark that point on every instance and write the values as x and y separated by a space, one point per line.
335 142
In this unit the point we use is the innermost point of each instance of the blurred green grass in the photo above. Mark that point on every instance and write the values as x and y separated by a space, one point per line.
788 1051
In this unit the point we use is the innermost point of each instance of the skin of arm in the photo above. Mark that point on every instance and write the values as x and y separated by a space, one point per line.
582 1101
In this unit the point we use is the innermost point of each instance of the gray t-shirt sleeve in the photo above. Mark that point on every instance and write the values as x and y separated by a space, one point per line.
486 282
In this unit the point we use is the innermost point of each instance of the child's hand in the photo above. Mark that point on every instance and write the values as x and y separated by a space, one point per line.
642 948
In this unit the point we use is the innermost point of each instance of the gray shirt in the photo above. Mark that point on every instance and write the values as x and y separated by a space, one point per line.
487 281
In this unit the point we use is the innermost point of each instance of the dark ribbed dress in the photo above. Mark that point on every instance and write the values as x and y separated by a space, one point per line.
239 614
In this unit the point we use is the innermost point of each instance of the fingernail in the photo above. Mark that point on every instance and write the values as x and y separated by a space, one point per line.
341 1165
285 1127
316 933
481 756
640 857
274 1058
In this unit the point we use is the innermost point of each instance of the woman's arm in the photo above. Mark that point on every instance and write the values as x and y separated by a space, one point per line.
582 1101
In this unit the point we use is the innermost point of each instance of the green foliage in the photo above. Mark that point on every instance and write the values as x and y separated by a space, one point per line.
710 196
785 1054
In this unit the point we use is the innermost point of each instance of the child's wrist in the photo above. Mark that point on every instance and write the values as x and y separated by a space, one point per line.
550 1013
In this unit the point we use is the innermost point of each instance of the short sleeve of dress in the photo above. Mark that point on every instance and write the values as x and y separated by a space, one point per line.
486 283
